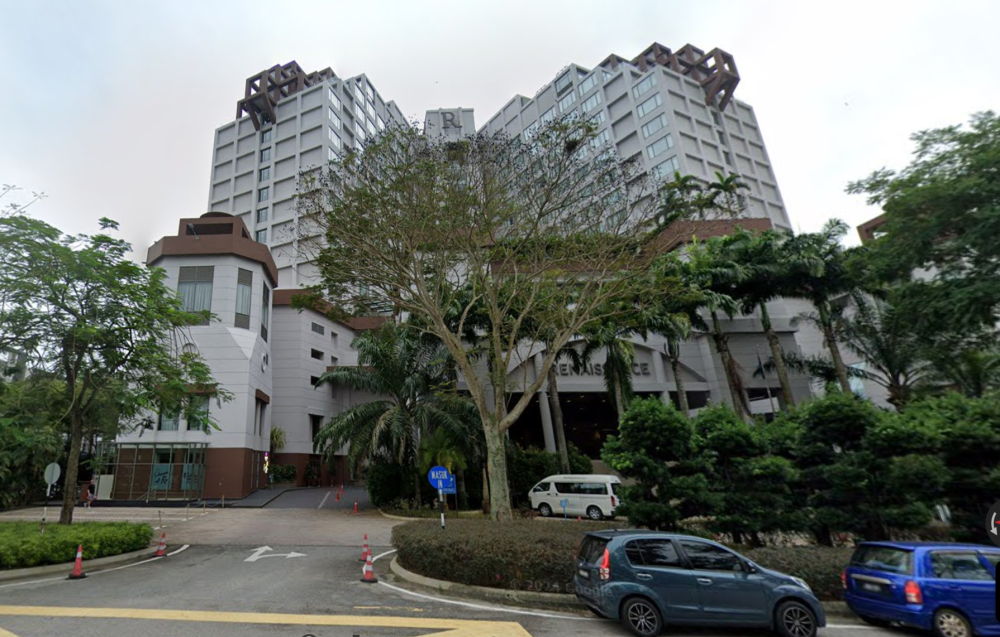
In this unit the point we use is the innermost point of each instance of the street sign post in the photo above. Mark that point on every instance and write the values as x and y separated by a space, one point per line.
563 504
52 473
441 479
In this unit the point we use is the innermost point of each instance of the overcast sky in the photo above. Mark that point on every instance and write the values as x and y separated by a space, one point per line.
110 107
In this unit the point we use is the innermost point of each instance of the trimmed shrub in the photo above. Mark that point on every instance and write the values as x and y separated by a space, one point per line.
21 545
536 555
283 473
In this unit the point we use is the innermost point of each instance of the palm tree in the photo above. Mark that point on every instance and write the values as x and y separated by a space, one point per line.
971 370
409 375
768 265
613 336
821 286
441 448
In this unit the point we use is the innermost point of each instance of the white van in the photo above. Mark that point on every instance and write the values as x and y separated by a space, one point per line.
594 496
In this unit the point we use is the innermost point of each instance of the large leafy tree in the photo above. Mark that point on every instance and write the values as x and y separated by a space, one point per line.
544 233
29 435
408 377
942 220
80 310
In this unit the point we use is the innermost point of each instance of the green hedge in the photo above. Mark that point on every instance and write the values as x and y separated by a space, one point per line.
283 473
538 555
22 546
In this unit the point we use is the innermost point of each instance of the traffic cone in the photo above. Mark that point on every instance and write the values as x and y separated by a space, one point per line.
355 506
78 565
365 551
368 571
338 496
578 519
161 550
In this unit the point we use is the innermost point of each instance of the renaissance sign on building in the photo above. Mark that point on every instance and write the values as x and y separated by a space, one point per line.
597 369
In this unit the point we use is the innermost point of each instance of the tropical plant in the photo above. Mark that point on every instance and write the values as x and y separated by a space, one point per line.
277 439
441 448
972 370
409 377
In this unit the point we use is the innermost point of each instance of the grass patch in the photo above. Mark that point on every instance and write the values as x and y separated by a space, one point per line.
21 545
539 556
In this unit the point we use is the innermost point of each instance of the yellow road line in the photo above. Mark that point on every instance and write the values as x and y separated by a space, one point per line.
4 633
452 627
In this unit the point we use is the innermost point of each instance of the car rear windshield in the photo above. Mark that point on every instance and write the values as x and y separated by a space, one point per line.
884 558
592 549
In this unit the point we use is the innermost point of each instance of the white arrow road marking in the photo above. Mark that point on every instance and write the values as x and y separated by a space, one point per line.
258 553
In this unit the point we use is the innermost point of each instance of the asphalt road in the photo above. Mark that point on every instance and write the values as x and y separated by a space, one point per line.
220 589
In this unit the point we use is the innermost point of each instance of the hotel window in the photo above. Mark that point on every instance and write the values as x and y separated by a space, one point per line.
319 329
371 127
652 126
244 290
334 99
359 92
314 380
643 87
727 157
265 154
334 118
360 129
601 138
530 131
566 103
598 118
263 194
333 337
265 136
548 116
587 84
564 82
261 236
315 424
649 105
199 405
261 215
265 174
380 122
334 139
370 92
371 109
316 354
331 154
660 146
265 312
591 102
667 168
169 421
195 288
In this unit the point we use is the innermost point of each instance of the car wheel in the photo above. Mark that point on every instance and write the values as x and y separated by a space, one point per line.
795 619
545 510
951 623
641 617
594 513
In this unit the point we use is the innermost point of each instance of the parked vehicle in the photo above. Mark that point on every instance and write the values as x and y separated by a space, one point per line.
649 579
944 587
591 495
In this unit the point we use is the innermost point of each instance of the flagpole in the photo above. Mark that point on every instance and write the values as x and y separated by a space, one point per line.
767 388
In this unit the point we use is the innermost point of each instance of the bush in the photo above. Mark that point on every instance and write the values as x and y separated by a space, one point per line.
528 467
283 473
22 546
535 555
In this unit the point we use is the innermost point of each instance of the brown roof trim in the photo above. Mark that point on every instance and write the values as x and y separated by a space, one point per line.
683 232
868 231
261 396
283 297
237 243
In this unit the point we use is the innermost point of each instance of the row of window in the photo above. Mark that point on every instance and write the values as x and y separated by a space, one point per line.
319 329
171 421
195 289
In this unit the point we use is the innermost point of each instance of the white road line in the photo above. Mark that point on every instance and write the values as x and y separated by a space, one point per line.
118 568
37 581
178 550
324 499
491 609
375 559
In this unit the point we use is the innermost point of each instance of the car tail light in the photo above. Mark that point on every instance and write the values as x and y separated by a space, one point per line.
843 579
604 571
612 501
913 593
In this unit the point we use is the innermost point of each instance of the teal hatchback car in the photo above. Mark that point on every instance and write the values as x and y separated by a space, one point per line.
647 580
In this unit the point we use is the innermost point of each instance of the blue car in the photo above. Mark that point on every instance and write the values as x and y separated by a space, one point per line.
947 588
648 579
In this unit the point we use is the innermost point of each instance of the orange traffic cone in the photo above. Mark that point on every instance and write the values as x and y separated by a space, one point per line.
338 496
78 565
368 571
355 506
365 551
578 519
161 550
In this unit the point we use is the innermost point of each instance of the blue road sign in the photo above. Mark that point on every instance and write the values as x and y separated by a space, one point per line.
441 478
563 503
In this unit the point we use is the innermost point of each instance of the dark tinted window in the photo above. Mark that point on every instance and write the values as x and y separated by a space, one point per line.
634 553
566 487
592 549
992 558
705 557
541 487
592 488
958 566
884 558
660 553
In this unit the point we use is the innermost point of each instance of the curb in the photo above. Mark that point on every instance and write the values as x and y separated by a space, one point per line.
236 503
833 609
401 518
49 569
484 592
